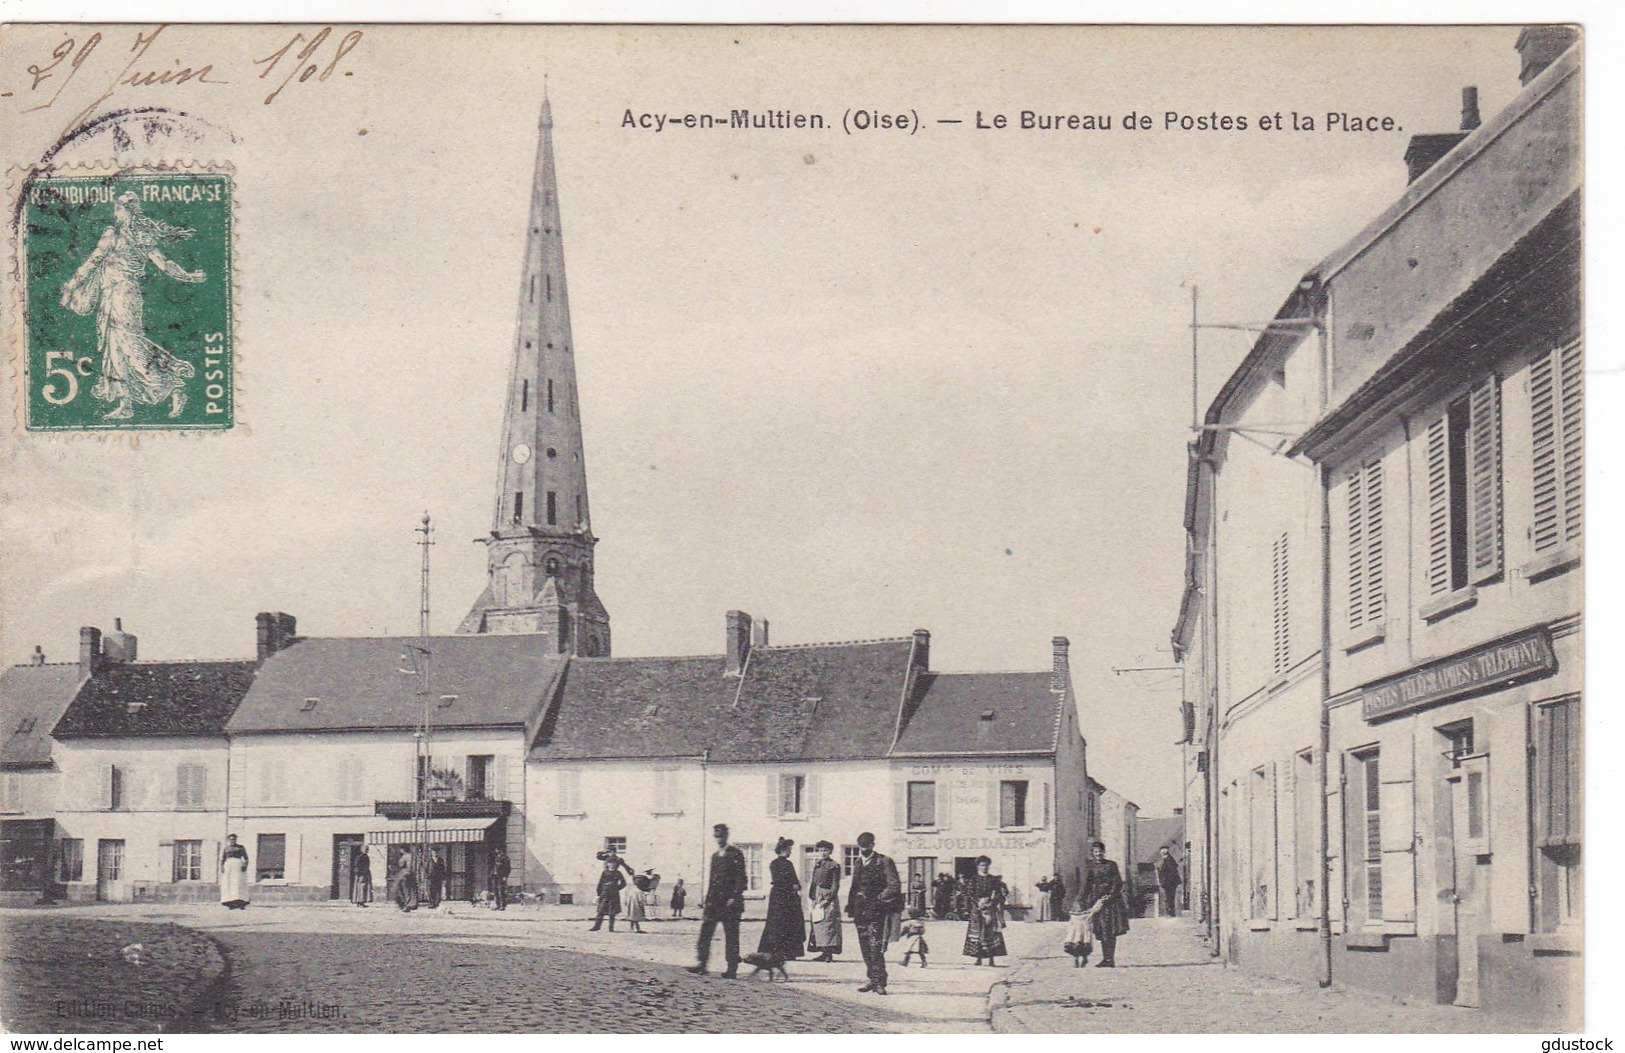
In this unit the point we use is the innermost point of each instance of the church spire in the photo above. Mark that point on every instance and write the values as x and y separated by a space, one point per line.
540 549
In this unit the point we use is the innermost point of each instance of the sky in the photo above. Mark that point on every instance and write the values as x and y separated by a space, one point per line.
855 384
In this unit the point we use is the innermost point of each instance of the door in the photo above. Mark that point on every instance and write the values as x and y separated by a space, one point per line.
1470 853
110 883
922 870
345 847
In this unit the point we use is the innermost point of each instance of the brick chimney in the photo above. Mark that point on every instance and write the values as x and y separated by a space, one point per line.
920 657
38 657
1425 151
273 631
1060 664
118 645
1539 46
90 651
759 634
738 643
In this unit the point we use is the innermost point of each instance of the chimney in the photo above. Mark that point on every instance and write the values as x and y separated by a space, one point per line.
38 657
273 631
1539 46
759 634
921 655
1469 108
90 651
118 645
1060 665
738 643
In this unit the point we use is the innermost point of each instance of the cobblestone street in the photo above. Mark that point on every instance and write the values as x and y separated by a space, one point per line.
1166 982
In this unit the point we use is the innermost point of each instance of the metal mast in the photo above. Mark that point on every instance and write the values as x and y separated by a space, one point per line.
423 805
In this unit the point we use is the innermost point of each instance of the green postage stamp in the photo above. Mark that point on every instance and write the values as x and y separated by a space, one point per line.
127 302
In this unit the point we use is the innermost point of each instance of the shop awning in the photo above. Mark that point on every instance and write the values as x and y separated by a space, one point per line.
439 831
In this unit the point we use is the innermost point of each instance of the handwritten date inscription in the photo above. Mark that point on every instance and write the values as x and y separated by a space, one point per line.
300 58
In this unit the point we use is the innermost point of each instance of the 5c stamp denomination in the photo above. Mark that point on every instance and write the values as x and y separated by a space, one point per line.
127 301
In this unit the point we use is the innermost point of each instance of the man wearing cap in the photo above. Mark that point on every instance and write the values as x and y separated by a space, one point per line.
875 895
724 904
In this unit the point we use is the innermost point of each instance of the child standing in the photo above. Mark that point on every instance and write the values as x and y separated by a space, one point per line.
1079 941
913 937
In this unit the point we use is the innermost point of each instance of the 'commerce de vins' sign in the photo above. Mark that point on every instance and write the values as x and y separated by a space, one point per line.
1515 658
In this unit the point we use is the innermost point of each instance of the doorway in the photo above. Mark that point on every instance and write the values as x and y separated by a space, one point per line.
345 849
922 872
1465 827
110 883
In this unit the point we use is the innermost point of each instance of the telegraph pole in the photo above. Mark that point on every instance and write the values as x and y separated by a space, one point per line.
423 805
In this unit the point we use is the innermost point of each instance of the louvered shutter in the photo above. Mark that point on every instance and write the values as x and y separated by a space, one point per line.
183 786
772 796
1289 880
1397 803
1437 452
1484 480
900 805
1375 607
1280 593
561 793
814 795
993 804
1337 856
496 780
1044 788
1274 867
945 794
1357 549
1570 409
105 801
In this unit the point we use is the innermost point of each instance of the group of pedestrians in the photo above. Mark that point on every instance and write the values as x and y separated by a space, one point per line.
639 902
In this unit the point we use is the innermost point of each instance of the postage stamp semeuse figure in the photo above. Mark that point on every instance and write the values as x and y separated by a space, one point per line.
127 302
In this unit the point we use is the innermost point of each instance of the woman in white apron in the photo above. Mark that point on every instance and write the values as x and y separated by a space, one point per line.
234 875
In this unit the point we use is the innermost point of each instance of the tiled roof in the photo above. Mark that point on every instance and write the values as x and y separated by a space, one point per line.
357 682
949 716
1152 834
820 701
157 698
32 700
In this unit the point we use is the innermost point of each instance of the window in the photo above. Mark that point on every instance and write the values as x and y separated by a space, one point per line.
477 785
110 860
350 780
1305 832
1365 568
849 859
753 866
552 508
1012 803
190 786
188 860
518 505
617 845
11 793
1463 453
792 794
1555 389
922 804
271 857
668 794
273 779
1261 847
1365 832
550 396
70 860
524 395
1280 626
1558 783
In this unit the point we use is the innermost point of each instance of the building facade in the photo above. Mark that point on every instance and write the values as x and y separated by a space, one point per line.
1415 803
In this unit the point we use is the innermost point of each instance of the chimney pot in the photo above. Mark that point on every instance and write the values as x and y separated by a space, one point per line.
759 635
1469 108
1060 663
922 650
90 650
273 631
1539 46
38 657
118 645
738 641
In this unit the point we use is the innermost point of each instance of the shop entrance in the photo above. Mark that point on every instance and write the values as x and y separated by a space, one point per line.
1469 786
345 849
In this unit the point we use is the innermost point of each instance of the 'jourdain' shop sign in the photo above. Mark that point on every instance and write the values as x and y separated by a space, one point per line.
1502 662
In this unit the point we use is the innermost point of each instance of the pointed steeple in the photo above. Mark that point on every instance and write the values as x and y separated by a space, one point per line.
541 537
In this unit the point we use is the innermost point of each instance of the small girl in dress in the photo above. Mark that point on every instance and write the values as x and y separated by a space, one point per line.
913 937
1079 940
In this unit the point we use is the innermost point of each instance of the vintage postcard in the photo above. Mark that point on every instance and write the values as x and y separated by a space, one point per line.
1092 529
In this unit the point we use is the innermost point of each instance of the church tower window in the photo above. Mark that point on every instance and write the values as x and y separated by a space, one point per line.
524 396
552 508
518 505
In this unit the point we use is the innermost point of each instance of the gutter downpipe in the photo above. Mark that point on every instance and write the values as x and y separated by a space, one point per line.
1210 610
1323 476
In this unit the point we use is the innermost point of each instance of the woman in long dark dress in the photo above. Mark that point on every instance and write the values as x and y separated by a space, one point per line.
610 883
824 935
984 930
786 932
1103 887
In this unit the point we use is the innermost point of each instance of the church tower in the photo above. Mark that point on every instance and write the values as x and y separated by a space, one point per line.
540 550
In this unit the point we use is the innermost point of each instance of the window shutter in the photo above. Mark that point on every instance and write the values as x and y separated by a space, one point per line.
1397 801
1484 480
813 801
900 805
1045 792
993 804
1357 549
945 794
183 785
105 802
561 793
1546 529
1274 867
1570 407
1438 496
772 796
1374 598
295 856
342 780
1280 591
496 779
1331 897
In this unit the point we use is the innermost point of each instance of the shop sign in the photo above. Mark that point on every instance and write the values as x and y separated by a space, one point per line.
970 844
1501 663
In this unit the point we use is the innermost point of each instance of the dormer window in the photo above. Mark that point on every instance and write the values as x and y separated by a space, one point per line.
308 705
446 701
987 714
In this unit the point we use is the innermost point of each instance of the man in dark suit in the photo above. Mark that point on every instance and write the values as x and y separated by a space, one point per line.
874 896
1169 878
498 880
724 904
